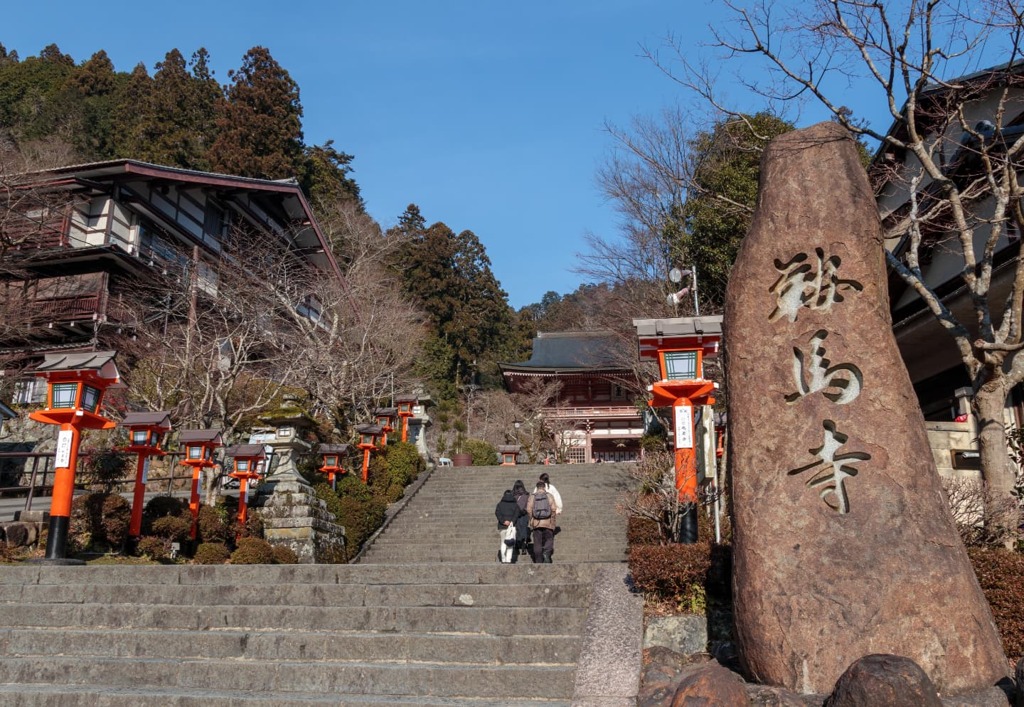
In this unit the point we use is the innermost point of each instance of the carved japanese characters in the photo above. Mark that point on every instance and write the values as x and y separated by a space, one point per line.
843 542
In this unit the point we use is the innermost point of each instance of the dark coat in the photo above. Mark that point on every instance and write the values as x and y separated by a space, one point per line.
506 510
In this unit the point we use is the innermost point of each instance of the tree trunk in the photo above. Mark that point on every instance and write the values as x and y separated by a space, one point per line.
996 467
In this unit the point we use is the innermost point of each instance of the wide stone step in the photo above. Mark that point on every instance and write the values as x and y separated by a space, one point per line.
365 678
324 595
289 645
107 696
496 621
277 575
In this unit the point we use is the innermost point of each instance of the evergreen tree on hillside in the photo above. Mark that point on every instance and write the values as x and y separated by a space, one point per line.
710 225
259 126
133 95
324 176
176 118
450 276
34 101
93 87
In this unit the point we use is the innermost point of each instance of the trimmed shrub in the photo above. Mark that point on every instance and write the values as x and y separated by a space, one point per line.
172 528
160 507
117 516
361 519
673 573
284 555
98 520
1001 576
212 554
642 531
484 453
213 524
155 548
404 463
253 551
105 468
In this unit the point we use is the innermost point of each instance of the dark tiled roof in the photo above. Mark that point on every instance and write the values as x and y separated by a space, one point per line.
575 350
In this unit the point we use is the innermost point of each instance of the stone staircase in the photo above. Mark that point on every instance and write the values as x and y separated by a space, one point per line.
451 518
443 631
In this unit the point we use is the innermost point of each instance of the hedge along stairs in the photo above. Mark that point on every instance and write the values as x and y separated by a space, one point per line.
433 632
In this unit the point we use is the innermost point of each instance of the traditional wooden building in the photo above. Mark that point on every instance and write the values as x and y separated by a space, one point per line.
990 104
593 416
77 241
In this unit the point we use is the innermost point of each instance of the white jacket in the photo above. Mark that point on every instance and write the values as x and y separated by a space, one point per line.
558 498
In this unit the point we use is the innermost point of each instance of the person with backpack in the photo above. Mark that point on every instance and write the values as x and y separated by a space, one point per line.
543 518
507 512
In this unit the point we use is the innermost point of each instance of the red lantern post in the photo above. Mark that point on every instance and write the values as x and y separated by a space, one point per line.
146 431
76 383
368 436
385 420
680 345
405 405
199 446
247 462
333 455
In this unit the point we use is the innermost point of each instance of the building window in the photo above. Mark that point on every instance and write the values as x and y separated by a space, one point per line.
680 365
31 391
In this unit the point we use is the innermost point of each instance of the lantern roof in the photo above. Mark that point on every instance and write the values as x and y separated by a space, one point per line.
509 448
369 429
408 398
678 333
211 436
333 448
385 412
246 450
101 362
160 420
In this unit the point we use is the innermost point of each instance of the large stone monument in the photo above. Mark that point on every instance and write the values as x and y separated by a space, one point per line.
844 545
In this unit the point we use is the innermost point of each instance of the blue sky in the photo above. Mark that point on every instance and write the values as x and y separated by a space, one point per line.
487 115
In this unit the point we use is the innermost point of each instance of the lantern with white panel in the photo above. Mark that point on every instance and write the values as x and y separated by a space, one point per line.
76 383
680 345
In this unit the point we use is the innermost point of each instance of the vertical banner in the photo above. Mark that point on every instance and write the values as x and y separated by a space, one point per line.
145 470
63 458
683 426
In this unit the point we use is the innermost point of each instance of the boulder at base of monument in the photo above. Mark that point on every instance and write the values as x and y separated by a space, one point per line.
844 545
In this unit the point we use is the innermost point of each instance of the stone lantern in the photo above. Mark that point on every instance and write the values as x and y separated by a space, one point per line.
368 437
199 446
76 383
146 432
249 460
333 455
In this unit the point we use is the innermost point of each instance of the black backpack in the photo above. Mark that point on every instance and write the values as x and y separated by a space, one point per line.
541 506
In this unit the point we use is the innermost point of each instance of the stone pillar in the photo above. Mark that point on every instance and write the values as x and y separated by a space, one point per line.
844 545
292 514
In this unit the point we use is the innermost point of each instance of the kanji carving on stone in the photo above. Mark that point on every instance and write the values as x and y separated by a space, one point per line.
841 383
803 285
833 474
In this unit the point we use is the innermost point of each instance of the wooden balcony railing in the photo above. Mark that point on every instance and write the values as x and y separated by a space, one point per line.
592 412
24 233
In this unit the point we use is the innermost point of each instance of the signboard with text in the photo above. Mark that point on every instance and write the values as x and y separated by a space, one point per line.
683 426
